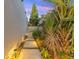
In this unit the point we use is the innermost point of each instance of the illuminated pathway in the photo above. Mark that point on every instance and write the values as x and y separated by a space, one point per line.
30 49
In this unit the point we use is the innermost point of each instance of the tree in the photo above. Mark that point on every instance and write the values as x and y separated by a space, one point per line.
34 16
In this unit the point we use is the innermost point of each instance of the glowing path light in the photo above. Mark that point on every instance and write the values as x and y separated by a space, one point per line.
13 54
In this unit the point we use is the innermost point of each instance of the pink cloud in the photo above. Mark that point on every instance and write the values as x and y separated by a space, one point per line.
43 8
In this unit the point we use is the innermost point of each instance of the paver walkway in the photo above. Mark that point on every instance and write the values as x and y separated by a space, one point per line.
30 49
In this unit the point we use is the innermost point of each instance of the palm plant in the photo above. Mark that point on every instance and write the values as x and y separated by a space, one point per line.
50 26
59 28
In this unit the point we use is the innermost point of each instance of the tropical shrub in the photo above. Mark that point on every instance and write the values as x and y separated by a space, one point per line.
45 54
36 33
58 26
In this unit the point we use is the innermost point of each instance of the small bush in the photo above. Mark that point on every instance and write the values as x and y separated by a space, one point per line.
45 54
36 33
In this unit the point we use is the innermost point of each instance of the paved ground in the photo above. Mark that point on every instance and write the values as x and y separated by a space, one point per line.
30 54
30 49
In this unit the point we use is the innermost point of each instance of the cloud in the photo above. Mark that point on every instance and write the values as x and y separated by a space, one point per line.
43 8
28 10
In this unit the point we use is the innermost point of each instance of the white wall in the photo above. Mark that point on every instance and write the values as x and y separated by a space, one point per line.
14 22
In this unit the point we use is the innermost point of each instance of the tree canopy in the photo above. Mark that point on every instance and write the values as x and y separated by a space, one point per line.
34 16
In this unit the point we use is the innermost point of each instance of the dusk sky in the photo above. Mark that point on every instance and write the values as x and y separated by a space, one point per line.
42 6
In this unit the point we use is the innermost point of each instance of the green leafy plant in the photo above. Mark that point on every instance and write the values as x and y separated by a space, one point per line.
36 33
45 53
62 54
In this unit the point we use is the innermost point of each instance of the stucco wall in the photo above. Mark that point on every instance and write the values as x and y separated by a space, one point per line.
15 25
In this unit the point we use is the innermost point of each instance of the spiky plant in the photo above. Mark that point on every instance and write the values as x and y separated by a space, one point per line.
59 28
